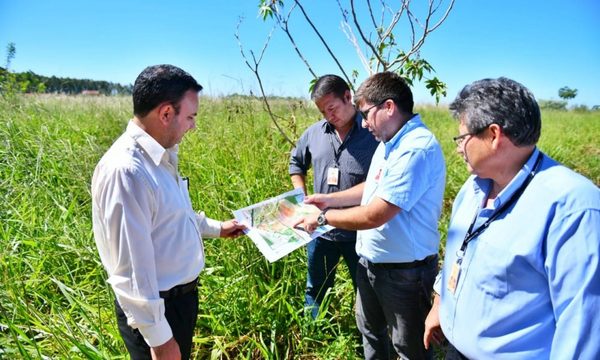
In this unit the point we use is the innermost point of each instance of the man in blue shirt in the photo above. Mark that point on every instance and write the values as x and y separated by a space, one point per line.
521 276
400 204
339 151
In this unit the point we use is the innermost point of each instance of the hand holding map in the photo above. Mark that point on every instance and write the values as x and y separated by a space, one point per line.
270 224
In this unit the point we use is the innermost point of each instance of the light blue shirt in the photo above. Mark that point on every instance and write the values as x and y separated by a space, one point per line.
409 172
529 286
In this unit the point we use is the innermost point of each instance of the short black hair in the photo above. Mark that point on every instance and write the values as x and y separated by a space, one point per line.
329 84
157 84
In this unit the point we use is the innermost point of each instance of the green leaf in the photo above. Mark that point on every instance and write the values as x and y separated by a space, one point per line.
436 88
311 86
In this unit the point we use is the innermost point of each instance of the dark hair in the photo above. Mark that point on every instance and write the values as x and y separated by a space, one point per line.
386 85
158 84
329 84
500 101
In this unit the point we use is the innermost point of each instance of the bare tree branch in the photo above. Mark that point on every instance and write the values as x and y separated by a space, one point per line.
371 14
254 69
323 41
362 35
286 30
347 29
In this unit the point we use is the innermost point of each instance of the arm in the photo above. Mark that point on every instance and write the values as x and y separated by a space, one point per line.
299 181
433 330
370 216
122 212
300 162
167 351
346 198
573 267
211 228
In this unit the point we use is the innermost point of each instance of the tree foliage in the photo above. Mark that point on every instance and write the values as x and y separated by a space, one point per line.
567 93
559 105
30 82
386 36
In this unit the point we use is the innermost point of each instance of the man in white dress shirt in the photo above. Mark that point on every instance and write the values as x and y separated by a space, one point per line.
148 236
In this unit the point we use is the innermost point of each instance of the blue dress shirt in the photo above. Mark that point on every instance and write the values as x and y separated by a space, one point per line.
408 171
529 285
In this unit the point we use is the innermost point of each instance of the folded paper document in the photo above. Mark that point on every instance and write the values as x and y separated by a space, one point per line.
270 224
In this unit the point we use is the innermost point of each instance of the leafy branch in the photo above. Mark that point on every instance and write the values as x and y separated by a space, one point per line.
374 36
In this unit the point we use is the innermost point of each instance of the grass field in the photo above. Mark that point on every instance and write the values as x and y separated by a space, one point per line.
54 300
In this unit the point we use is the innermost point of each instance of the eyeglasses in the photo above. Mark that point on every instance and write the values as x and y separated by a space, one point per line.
461 138
365 113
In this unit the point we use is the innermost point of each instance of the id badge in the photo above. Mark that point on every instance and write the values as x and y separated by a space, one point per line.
333 176
454 276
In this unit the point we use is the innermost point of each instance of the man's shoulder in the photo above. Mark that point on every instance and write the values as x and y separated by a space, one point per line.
316 127
313 134
565 186
124 156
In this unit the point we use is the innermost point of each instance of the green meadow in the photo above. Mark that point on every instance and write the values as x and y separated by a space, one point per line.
54 300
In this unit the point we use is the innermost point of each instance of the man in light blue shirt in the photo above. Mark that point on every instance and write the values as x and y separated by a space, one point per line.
521 276
397 238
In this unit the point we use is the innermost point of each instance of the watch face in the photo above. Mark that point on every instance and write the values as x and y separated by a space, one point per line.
321 219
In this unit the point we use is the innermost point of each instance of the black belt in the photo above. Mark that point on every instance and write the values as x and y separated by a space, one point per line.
408 265
179 290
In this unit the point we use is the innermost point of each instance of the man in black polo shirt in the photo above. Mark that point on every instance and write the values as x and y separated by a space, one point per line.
339 150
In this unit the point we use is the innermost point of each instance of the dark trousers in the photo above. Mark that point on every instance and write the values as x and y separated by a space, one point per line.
181 313
453 354
394 302
323 258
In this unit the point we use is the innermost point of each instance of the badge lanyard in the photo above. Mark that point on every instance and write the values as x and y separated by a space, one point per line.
470 235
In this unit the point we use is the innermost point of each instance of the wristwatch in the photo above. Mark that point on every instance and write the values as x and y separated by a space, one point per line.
321 219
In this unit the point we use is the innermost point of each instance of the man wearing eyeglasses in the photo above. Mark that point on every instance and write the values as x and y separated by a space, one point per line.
521 276
339 151
397 221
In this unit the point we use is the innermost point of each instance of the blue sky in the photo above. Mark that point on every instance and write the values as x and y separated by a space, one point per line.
544 44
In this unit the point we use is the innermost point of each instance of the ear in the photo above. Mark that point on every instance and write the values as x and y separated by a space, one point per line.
496 135
347 96
166 112
389 106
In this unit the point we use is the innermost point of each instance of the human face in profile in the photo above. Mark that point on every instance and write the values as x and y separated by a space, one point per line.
339 112
184 120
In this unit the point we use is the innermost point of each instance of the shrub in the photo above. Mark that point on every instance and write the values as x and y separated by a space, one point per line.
553 104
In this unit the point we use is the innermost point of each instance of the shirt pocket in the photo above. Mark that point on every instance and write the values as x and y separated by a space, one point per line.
490 273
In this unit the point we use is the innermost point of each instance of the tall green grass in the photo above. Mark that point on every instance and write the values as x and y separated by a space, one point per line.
54 300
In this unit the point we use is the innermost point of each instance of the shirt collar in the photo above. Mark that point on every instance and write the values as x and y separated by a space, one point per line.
411 124
484 185
149 144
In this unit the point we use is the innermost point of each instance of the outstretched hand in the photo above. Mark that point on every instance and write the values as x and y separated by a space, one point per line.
231 228
319 200
308 223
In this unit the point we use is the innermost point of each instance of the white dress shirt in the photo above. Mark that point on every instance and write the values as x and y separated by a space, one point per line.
148 236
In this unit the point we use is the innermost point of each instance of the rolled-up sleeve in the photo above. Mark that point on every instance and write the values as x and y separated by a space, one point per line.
300 157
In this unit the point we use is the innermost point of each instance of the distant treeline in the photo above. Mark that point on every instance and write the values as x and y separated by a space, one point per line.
30 82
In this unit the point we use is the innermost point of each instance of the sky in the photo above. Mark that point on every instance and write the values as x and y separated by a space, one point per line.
544 44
